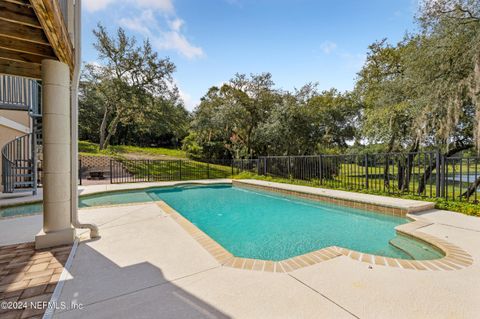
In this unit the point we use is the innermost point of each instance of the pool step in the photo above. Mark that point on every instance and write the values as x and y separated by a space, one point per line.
415 249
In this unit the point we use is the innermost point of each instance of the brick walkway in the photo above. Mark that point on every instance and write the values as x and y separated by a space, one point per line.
29 275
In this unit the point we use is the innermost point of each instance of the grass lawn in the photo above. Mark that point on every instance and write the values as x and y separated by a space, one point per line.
132 152
175 166
170 170
440 203
417 169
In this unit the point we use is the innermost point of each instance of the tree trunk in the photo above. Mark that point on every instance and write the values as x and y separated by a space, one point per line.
430 168
472 188
400 175
409 168
386 175
103 128
111 130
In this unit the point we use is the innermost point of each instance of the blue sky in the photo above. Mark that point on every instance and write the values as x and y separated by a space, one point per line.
298 41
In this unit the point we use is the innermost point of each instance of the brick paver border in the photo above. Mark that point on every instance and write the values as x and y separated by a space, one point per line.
28 276
455 258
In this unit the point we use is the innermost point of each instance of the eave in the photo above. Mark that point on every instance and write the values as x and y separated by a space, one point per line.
30 31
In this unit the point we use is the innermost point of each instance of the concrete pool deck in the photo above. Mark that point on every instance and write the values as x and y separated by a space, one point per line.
146 265
27 197
381 204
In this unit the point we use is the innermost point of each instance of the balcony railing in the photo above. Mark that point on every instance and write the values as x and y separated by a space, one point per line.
19 93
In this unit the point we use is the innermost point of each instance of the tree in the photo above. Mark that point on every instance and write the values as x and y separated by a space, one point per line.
247 117
450 47
227 119
447 66
308 122
128 83
210 130
388 98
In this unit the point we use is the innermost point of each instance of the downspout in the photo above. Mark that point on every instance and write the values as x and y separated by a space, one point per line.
74 124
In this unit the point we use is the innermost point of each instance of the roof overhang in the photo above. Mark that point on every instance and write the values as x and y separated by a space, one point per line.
30 31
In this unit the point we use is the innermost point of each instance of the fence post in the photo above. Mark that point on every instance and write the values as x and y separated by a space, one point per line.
437 174
265 166
366 171
180 169
111 171
148 170
320 164
208 170
442 175
232 165
289 164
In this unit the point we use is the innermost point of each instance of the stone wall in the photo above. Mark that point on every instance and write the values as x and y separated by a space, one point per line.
94 161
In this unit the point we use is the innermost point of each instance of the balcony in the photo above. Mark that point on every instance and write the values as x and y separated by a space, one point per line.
33 30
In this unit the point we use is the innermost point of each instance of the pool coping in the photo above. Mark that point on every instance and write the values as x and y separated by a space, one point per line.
376 203
88 190
455 258
130 187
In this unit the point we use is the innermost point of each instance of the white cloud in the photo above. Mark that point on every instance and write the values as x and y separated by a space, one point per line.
147 23
170 38
140 23
328 47
161 5
96 5
176 24
190 104
174 40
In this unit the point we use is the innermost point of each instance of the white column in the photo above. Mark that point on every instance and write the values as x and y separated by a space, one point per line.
57 228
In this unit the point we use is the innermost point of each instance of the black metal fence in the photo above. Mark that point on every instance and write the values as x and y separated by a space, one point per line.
425 174
132 171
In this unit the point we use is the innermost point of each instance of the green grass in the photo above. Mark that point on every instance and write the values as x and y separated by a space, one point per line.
355 169
189 170
440 203
176 170
89 148
170 169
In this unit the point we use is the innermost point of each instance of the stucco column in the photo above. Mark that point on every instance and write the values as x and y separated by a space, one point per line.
57 228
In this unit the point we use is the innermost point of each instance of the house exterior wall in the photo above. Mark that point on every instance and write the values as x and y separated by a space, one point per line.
8 132
20 117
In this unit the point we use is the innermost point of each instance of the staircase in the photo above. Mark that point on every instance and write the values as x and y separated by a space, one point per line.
20 157
415 249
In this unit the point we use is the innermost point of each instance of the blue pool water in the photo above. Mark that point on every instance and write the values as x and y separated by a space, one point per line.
270 226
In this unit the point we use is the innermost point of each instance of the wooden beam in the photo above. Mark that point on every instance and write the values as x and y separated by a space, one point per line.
28 70
20 56
27 47
18 13
22 32
50 17
25 2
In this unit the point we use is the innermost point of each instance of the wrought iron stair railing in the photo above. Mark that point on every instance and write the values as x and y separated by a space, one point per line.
20 156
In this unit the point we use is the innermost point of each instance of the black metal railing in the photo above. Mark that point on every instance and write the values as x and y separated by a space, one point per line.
19 93
20 155
18 170
424 174
132 171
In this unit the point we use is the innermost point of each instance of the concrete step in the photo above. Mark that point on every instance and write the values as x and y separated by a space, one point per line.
23 184
414 248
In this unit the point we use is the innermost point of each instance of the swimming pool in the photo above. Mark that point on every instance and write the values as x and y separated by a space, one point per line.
270 226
